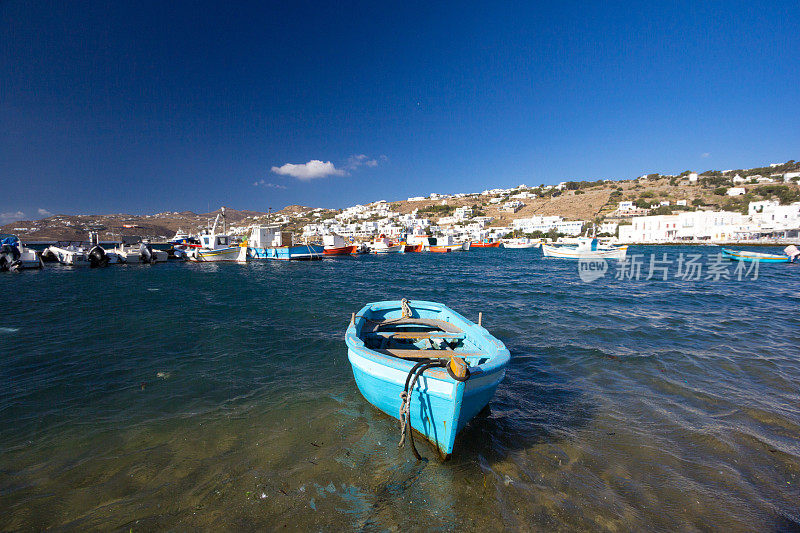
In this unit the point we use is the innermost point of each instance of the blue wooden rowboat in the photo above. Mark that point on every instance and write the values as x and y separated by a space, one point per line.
749 257
457 365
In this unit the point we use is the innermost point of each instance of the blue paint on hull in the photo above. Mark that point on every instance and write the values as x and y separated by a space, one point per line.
302 252
751 257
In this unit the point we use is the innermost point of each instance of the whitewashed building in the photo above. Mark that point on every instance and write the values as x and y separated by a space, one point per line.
546 223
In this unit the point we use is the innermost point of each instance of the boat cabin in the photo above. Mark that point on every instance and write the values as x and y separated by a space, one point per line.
213 241
333 241
269 237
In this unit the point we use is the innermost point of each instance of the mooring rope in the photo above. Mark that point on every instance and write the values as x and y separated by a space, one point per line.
405 408
406 308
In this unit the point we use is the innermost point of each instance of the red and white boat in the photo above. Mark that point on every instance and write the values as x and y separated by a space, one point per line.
336 245
384 245
485 244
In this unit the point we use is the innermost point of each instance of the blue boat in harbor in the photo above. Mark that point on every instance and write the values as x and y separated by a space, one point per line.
269 242
750 257
425 364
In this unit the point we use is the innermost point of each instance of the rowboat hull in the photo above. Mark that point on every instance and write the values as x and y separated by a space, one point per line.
751 257
441 406
305 252
565 252
438 249
413 248
486 244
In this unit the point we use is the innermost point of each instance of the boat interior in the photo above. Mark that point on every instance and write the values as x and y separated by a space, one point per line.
420 338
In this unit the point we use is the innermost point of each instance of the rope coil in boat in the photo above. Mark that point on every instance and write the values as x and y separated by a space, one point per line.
405 407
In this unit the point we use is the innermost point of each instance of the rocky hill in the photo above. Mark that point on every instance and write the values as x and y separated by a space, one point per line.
576 200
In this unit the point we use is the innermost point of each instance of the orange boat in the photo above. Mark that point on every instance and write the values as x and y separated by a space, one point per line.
439 249
413 248
485 244
341 250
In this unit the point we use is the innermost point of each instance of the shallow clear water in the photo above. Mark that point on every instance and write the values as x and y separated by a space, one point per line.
220 396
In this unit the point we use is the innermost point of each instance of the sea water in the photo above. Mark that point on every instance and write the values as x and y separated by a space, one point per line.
219 396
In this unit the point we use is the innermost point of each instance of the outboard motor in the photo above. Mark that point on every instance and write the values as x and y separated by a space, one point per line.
98 257
9 254
146 253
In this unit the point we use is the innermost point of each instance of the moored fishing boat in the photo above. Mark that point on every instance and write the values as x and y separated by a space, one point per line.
16 256
751 257
585 248
269 242
486 243
438 249
216 247
336 245
414 248
384 245
448 242
447 367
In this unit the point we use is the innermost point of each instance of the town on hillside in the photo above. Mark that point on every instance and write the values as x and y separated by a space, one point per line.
745 205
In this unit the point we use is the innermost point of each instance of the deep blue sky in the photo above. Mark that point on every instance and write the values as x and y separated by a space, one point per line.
145 106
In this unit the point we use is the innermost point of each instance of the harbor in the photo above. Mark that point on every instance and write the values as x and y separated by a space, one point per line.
399 267
203 395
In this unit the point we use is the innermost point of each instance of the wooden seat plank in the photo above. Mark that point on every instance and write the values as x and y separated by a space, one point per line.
426 354
417 335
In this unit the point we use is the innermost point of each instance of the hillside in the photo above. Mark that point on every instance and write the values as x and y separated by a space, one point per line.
576 200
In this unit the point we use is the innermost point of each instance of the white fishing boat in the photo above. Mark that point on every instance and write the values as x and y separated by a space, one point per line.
585 248
15 256
216 247
181 237
451 245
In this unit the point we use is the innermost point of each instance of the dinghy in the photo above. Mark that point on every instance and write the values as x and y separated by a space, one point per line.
751 257
426 365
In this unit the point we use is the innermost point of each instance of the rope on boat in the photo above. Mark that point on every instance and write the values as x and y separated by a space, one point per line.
405 407
406 308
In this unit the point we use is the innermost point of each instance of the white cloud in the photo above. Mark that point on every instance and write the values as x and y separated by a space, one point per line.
355 161
265 183
8 218
44 212
308 171
705 154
